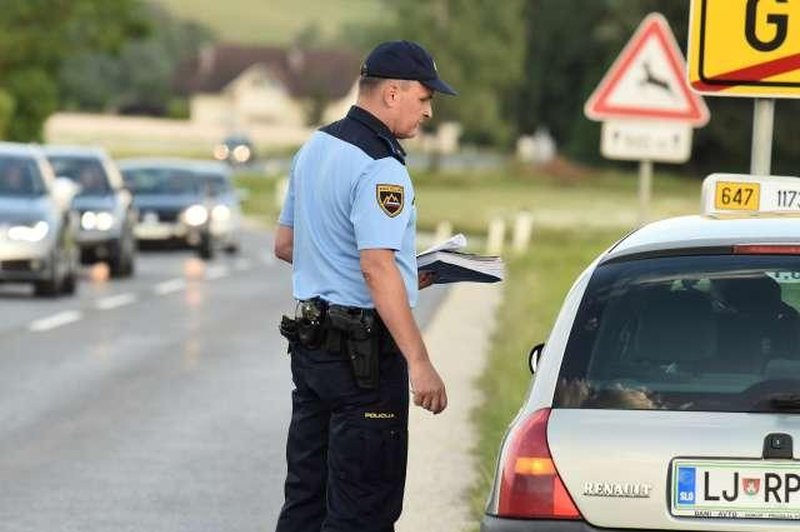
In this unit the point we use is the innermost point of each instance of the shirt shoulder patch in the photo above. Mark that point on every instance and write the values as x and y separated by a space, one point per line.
391 199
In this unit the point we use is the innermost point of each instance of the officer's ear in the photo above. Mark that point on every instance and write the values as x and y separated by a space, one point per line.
391 93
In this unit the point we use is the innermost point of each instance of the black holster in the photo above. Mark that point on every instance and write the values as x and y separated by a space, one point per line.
359 332
288 329
307 328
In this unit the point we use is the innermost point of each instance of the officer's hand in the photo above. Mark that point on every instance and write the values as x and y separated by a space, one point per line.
427 387
425 279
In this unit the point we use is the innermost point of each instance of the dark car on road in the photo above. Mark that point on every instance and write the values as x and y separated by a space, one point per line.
105 206
37 228
192 202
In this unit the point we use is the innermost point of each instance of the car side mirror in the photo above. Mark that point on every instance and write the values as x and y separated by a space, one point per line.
64 190
534 356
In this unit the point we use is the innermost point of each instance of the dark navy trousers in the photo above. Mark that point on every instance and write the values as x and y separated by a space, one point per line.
347 447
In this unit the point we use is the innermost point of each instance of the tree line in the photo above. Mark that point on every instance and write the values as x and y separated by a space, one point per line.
90 55
518 65
525 64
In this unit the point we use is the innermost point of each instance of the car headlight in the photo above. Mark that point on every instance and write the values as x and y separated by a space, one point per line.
101 221
221 213
28 233
241 154
196 215
221 152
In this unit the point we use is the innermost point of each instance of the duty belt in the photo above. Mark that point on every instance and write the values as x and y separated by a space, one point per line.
356 333
319 324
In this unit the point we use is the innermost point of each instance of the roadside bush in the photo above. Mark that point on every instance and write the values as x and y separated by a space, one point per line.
36 98
178 108
7 106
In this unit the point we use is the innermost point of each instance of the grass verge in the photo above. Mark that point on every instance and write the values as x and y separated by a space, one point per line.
259 202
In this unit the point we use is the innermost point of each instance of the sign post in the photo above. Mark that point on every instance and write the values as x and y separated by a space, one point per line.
647 108
747 48
763 126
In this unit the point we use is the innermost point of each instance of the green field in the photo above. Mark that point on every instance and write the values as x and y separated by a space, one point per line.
469 201
275 22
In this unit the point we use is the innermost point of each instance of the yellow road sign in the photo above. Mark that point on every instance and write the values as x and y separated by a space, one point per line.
745 48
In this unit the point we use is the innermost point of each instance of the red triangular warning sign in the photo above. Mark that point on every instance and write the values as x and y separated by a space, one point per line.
648 80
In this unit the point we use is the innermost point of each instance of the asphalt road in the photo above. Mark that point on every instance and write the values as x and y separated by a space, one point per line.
158 403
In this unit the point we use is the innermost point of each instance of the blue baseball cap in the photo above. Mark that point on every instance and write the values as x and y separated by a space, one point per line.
405 60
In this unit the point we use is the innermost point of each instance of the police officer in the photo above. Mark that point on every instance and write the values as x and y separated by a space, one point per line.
348 227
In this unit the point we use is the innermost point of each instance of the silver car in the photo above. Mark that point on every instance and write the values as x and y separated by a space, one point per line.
37 228
185 200
668 392
105 206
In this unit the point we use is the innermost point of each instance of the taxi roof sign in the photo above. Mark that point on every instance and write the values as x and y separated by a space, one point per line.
745 194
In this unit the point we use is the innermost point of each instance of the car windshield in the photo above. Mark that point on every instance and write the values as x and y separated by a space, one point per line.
161 181
85 171
215 184
706 333
20 177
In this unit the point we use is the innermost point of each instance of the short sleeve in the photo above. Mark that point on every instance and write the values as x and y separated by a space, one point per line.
382 205
287 212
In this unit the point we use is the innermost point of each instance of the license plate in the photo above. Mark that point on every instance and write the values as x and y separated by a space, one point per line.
735 489
734 196
153 231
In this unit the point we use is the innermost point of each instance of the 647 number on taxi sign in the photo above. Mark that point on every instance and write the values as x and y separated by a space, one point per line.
737 196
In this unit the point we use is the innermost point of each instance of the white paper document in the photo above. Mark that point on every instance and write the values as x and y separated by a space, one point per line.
450 265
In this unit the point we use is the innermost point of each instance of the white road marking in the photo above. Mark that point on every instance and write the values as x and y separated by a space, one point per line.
216 272
56 320
168 287
108 303
242 265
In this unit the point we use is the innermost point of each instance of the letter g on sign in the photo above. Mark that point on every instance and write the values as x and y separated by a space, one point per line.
781 23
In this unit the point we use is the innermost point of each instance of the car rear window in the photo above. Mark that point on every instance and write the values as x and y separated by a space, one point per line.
707 333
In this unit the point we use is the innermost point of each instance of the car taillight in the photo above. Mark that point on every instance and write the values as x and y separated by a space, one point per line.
766 249
530 485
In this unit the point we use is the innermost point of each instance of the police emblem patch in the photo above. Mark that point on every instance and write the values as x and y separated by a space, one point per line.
391 199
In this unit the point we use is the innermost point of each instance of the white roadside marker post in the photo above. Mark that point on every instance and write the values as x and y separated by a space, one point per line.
496 236
523 228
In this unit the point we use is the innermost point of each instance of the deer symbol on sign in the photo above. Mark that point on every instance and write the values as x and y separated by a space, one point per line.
651 79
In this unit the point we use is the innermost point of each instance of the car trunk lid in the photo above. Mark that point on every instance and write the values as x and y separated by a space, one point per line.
619 466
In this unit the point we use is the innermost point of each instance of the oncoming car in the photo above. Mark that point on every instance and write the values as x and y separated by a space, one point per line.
183 200
37 228
235 149
105 206
668 392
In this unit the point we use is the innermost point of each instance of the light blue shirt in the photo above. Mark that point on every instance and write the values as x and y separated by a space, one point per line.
342 200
